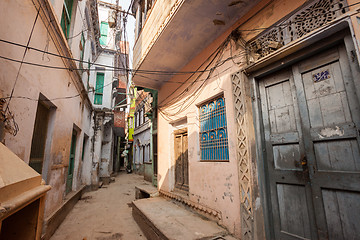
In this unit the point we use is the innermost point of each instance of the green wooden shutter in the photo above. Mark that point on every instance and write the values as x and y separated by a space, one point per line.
99 88
66 17
104 32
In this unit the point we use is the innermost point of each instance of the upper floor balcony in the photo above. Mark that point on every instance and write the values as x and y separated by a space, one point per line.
170 33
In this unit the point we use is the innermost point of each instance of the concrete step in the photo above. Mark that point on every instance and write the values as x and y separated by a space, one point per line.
162 219
145 191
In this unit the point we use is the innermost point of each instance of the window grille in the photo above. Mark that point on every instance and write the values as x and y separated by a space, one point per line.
213 132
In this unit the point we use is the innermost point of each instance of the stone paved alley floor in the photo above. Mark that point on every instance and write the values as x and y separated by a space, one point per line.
104 214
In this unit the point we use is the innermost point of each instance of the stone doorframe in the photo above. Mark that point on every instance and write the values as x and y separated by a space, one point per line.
254 205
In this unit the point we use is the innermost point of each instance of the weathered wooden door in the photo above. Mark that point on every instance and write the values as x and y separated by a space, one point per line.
69 179
181 160
310 115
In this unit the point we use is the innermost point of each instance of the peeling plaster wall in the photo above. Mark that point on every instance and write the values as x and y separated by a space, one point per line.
106 162
216 184
96 145
17 18
86 163
143 138
212 184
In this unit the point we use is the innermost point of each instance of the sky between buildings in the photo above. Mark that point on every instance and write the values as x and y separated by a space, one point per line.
130 24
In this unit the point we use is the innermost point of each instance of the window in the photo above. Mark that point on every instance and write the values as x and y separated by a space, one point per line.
141 116
66 17
213 131
83 147
143 154
82 48
145 116
149 153
99 88
88 75
104 32
137 120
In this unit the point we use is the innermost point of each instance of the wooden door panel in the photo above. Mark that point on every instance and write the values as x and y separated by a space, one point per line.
69 179
338 180
288 137
341 155
178 161
280 107
294 217
342 215
326 96
181 160
291 204
185 161
287 157
333 144
311 121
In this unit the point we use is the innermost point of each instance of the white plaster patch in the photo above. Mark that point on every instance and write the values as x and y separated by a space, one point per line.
257 203
330 132
199 234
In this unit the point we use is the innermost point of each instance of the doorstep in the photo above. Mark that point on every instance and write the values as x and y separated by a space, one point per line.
160 218
145 190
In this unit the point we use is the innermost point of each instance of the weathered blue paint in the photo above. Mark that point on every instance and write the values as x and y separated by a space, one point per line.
213 131
323 75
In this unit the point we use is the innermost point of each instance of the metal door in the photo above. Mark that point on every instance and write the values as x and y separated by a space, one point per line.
181 160
310 116
69 179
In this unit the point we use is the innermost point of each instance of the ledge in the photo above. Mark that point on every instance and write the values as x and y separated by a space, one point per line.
204 210
58 216
9 207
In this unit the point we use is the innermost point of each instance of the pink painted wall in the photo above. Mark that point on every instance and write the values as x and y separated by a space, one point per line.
17 18
214 184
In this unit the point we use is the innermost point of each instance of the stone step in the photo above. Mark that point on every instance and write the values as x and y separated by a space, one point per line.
162 219
145 191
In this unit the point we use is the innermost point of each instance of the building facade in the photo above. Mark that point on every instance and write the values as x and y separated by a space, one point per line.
258 109
107 86
142 135
57 81
47 111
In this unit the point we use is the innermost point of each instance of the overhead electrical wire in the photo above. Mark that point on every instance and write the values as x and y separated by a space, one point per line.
134 71
174 102
153 72
58 98
178 104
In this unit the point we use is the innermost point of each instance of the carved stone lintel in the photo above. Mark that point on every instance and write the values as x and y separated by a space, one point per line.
310 17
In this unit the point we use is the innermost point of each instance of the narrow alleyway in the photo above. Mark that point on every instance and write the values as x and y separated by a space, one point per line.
104 214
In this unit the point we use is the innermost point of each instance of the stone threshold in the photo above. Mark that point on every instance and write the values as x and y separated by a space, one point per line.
162 219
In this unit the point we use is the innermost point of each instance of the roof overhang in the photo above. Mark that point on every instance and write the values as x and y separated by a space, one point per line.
192 28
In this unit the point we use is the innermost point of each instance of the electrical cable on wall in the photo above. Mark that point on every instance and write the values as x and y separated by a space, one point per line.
8 116
132 71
